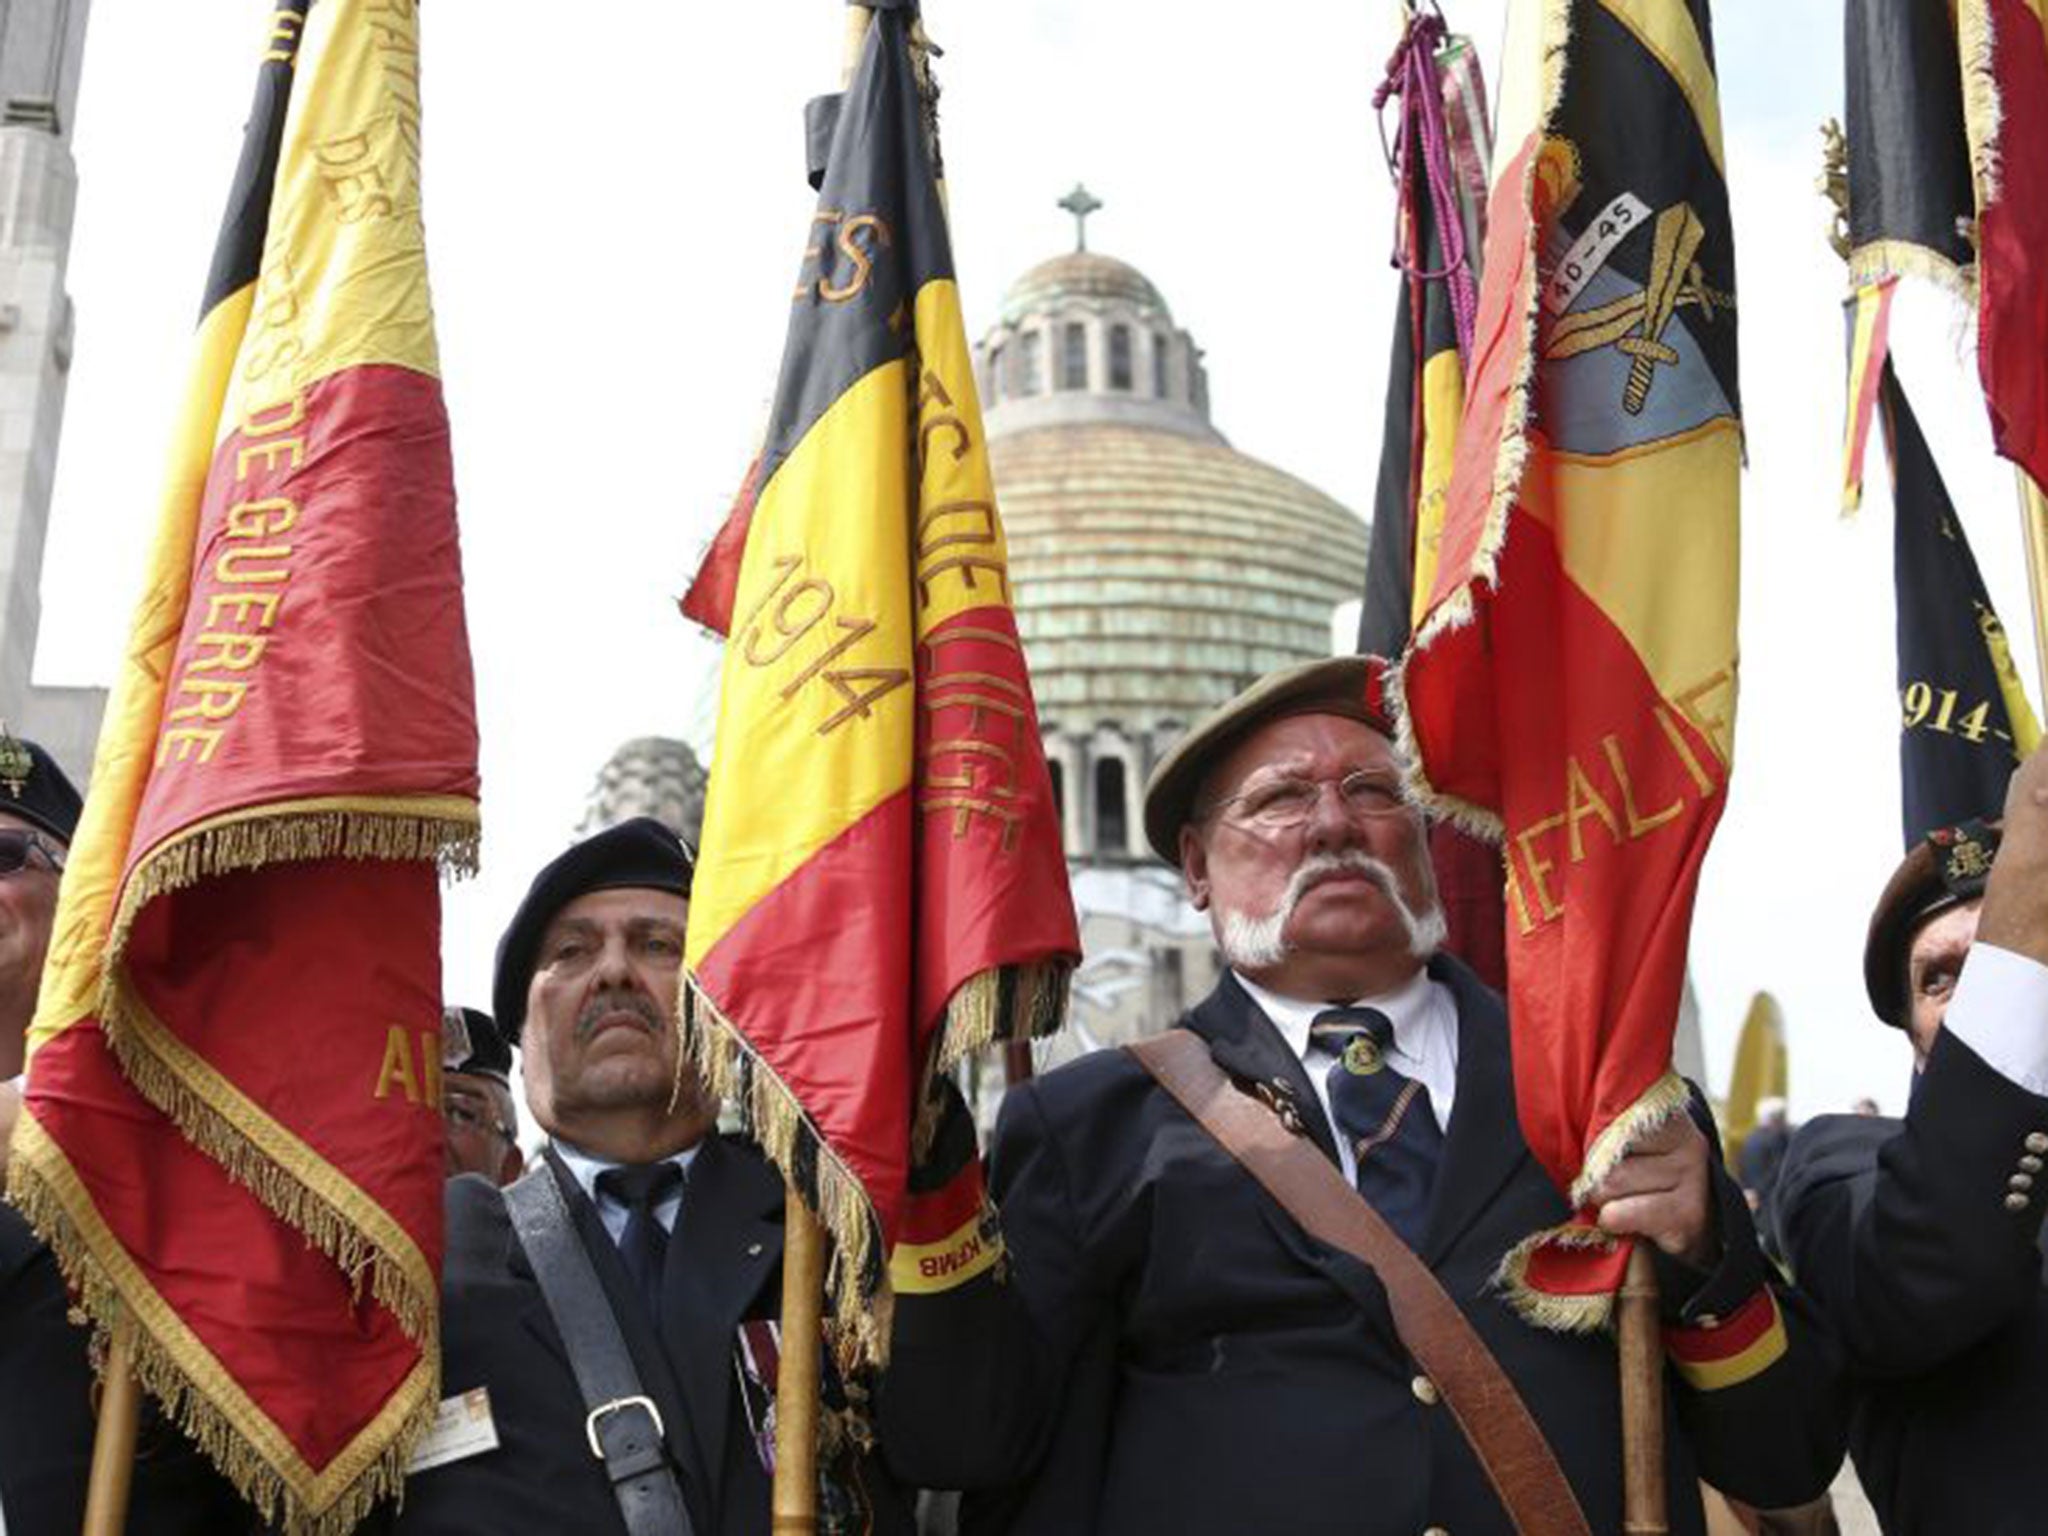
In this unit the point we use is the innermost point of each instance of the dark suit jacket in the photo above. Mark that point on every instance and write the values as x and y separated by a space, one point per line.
724 1265
1911 1238
46 1419
1224 1373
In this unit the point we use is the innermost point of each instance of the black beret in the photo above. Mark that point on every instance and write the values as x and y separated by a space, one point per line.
471 1043
641 854
1945 869
1352 686
33 787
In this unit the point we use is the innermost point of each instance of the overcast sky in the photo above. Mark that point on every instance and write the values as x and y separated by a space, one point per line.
615 204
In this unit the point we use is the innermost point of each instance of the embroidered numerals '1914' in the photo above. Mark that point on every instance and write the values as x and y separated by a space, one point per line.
790 614
1928 708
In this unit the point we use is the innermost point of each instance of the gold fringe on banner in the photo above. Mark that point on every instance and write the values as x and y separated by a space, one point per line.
1662 1101
1560 1314
196 1391
856 1276
1977 42
297 1184
1880 259
1002 1004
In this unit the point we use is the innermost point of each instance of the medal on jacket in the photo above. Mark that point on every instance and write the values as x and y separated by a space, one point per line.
843 1506
757 1358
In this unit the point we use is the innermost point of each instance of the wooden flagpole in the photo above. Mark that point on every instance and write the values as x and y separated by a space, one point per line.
113 1445
793 1501
1644 1510
797 1387
2034 529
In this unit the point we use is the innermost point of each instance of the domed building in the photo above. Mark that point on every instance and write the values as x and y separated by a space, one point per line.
1157 571
654 776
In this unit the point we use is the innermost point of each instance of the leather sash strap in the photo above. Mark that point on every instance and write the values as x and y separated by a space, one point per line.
1495 1421
621 1424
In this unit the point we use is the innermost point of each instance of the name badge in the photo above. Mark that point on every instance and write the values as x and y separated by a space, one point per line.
463 1427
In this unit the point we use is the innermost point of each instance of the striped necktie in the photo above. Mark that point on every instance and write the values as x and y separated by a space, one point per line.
1385 1117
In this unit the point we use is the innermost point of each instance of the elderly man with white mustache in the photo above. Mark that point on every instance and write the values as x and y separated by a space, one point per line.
1221 1362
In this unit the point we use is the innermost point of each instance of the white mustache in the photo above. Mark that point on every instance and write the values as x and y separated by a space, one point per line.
1256 943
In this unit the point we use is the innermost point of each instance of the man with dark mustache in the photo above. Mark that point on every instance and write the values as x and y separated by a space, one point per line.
1221 1371
678 1230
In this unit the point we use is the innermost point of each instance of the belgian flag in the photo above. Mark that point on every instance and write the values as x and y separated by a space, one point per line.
881 887
1425 396
1911 203
1910 199
1964 722
1572 686
1947 119
232 1132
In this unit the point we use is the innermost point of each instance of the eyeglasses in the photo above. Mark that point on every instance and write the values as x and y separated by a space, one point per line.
460 1116
18 846
1280 804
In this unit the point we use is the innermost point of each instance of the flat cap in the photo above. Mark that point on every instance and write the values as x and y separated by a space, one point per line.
33 787
472 1044
641 854
1352 686
1945 869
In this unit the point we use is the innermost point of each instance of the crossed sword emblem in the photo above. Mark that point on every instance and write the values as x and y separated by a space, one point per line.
1675 279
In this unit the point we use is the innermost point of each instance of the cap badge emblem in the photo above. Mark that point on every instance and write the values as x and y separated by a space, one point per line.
15 763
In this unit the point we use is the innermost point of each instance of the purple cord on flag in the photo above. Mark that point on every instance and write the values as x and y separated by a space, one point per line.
1412 74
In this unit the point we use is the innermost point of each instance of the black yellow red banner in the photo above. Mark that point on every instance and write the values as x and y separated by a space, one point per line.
1964 719
881 886
1440 176
232 1129
1947 116
1572 688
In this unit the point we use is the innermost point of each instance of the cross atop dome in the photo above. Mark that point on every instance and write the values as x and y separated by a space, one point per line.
1080 203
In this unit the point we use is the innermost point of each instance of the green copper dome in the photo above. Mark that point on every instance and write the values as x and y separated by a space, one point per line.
1156 574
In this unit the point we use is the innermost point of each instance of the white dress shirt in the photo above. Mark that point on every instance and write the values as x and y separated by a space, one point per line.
2000 1011
1425 1020
613 1211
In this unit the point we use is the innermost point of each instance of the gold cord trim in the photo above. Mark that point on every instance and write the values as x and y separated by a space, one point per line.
856 1281
196 1390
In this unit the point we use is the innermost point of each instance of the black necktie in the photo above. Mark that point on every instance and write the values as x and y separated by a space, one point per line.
1386 1118
644 1243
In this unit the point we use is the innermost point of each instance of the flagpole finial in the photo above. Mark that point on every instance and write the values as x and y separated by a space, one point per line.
1080 203
1833 184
